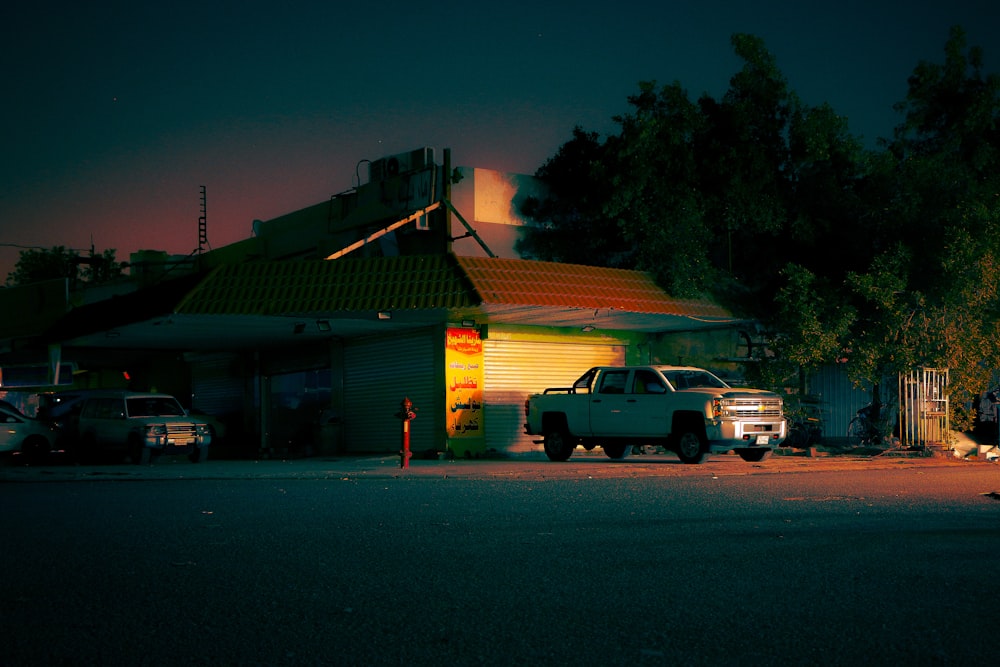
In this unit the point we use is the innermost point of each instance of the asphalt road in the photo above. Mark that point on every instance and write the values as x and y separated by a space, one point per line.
648 562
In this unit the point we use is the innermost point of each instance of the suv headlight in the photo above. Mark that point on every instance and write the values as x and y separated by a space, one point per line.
202 429
156 429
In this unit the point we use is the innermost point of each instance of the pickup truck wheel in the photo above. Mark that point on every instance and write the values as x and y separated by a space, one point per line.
557 445
690 448
617 452
753 455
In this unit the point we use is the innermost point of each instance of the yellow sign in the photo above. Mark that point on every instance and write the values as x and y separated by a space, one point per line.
464 380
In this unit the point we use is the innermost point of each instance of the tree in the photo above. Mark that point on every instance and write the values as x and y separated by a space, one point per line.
571 226
781 179
883 260
745 158
101 268
38 264
706 196
655 200
923 279
945 160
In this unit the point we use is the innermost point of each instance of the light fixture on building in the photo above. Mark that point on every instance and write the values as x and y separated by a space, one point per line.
385 315
469 324
299 327
588 328
323 325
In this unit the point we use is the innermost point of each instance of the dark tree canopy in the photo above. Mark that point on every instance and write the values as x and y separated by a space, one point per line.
886 259
38 264
579 185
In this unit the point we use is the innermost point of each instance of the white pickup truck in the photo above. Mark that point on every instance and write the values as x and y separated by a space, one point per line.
687 410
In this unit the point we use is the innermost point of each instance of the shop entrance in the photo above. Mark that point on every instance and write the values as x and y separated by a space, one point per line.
299 405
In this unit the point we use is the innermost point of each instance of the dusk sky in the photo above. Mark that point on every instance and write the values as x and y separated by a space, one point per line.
114 114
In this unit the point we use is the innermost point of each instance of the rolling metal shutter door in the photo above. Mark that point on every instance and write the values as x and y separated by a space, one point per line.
217 385
516 369
378 374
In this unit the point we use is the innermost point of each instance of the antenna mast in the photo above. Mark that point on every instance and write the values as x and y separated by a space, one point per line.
203 221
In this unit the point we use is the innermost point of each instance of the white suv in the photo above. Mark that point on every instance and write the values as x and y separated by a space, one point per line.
140 426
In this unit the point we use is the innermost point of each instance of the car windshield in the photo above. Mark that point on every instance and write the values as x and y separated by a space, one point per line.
690 379
154 406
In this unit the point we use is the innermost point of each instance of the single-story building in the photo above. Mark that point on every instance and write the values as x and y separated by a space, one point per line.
307 336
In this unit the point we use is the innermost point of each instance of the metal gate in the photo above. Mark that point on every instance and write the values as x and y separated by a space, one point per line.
217 384
923 406
378 374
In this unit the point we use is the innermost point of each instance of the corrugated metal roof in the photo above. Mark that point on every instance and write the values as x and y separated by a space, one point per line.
430 282
303 287
530 283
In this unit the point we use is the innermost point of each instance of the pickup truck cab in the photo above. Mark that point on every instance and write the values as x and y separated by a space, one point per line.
684 409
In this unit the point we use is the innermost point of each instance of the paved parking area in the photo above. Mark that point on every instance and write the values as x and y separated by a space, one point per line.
527 467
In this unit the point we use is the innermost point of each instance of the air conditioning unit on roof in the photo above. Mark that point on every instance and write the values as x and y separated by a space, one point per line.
402 163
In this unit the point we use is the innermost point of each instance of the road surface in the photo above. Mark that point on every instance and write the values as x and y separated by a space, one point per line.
647 563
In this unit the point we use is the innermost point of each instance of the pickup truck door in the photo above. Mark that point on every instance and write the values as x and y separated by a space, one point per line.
610 406
647 404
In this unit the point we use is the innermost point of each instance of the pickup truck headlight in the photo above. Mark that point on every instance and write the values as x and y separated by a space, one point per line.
723 409
747 408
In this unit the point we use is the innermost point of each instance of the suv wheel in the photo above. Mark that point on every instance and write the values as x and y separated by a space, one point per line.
138 452
86 449
35 449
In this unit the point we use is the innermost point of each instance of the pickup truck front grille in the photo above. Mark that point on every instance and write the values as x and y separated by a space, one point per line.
751 408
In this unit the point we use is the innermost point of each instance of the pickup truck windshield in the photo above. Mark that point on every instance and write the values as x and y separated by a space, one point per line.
692 379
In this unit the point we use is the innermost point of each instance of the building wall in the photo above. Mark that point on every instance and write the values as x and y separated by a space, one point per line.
490 202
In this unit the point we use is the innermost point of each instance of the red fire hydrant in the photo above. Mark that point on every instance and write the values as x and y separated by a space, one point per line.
405 414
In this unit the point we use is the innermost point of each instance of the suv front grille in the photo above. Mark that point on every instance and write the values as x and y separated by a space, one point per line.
180 431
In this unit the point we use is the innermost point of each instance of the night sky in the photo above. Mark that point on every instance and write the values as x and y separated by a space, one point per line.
114 114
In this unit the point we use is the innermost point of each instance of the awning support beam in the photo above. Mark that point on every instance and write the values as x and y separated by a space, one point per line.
468 227
385 230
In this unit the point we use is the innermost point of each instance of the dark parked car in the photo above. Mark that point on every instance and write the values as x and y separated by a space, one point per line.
62 411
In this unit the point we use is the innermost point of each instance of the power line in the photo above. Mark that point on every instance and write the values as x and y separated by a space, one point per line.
38 247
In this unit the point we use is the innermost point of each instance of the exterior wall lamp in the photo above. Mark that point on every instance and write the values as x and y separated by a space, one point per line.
588 328
385 315
323 325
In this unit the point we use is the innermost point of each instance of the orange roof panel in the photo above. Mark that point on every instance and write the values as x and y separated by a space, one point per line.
531 283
